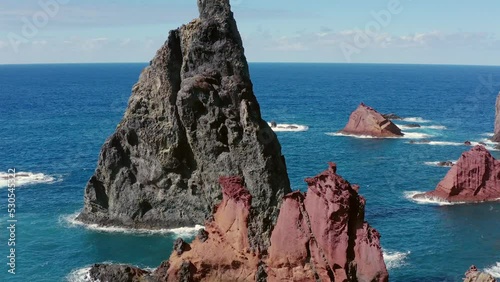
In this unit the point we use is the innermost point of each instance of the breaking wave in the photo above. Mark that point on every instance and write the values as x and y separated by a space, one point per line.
83 274
434 127
428 200
416 119
284 127
79 275
437 163
440 143
407 135
395 259
494 270
26 178
185 232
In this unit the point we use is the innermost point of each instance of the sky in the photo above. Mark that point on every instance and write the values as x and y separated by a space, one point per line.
324 31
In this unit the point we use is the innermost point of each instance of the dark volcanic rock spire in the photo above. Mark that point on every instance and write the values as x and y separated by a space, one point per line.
496 137
192 118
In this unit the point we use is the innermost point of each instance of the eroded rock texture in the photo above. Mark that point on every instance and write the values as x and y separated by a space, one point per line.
474 178
320 236
192 118
474 275
367 121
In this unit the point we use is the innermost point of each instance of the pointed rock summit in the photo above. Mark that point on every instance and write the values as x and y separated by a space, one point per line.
322 235
192 118
367 121
474 178
496 137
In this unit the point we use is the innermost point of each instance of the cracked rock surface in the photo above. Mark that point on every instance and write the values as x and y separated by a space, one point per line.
192 118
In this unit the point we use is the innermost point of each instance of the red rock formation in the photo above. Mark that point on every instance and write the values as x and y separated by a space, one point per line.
319 235
225 254
475 178
367 121
323 234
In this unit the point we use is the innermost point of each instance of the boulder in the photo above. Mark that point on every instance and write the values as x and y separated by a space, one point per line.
367 121
413 125
446 164
474 178
474 275
392 116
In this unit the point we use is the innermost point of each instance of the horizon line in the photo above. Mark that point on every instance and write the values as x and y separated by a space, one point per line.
259 62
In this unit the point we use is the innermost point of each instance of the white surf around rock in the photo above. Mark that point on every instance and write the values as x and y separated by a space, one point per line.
184 232
407 135
494 270
428 200
79 275
439 163
285 127
395 259
422 127
26 178
83 274
415 119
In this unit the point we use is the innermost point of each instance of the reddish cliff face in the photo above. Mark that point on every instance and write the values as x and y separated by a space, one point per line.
367 121
323 234
319 235
475 178
223 253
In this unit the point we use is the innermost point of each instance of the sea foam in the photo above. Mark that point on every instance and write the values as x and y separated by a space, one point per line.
416 119
437 163
284 127
83 274
494 270
79 275
407 135
434 127
185 232
395 259
26 178
428 200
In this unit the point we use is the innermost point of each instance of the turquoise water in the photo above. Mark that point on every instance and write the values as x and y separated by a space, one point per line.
54 118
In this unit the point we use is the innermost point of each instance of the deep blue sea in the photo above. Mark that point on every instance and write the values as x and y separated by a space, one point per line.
54 119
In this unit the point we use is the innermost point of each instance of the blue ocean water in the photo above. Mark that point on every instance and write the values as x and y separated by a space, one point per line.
54 119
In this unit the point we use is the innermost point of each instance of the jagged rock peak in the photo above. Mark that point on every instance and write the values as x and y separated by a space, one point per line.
220 9
192 118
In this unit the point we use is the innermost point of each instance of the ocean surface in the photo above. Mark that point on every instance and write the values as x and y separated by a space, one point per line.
54 119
